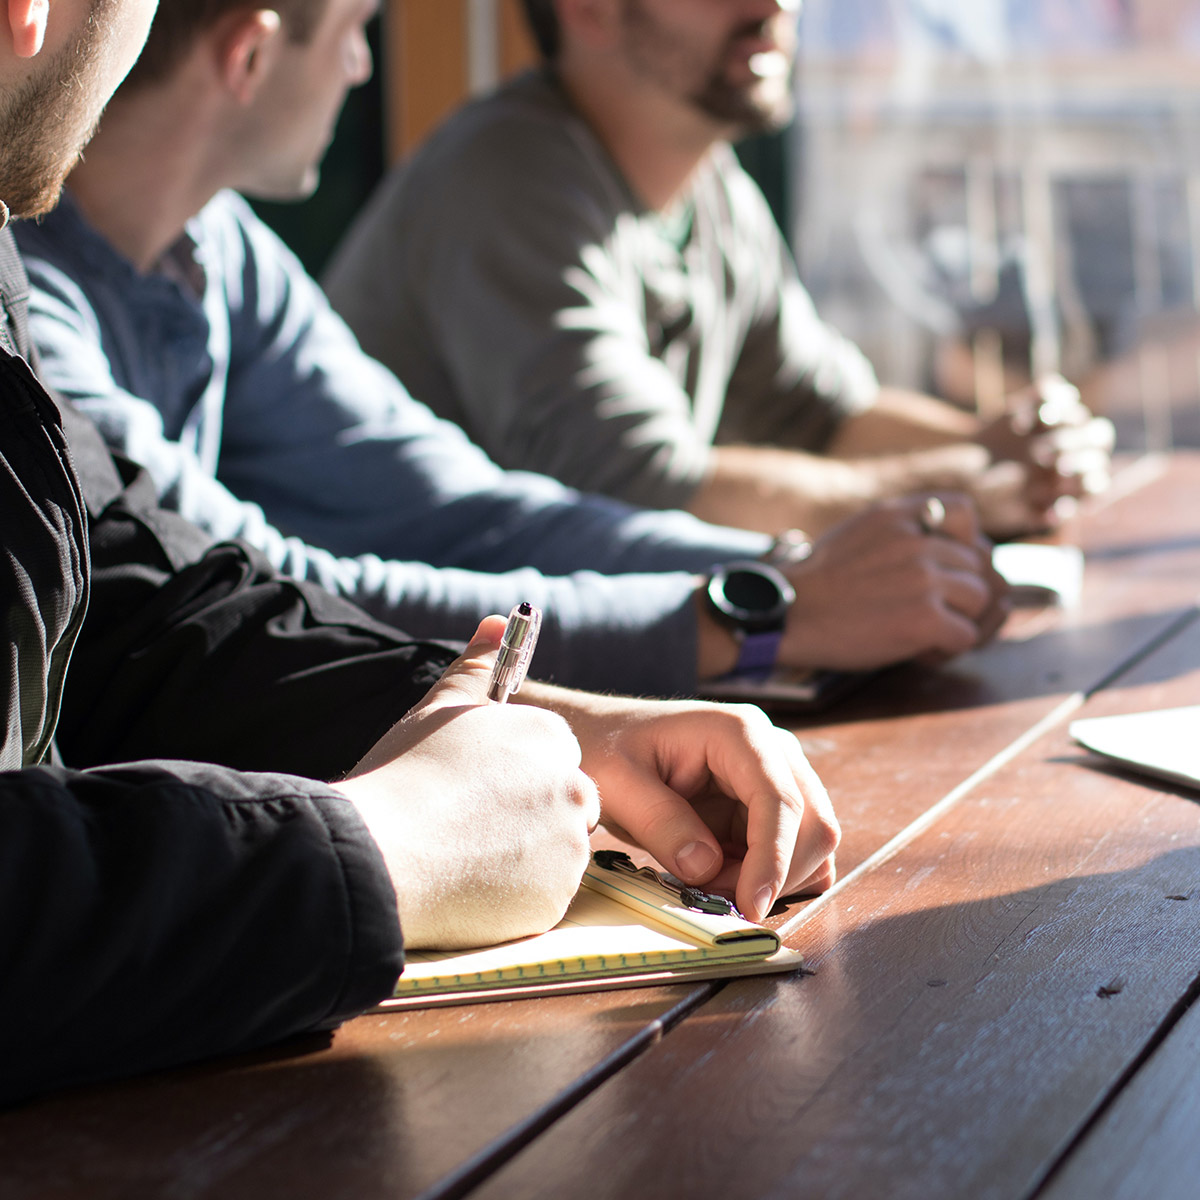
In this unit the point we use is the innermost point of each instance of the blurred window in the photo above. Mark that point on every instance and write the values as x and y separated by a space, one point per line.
985 190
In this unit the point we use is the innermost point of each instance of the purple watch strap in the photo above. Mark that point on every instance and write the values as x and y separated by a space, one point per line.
758 653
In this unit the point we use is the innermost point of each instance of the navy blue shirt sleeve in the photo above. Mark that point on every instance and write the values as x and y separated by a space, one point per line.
259 417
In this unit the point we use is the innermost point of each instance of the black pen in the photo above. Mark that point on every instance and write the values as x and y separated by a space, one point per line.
516 650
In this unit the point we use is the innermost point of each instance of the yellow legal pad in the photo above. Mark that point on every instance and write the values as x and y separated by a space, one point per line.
621 930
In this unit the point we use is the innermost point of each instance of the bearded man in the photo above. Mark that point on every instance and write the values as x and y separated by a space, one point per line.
577 271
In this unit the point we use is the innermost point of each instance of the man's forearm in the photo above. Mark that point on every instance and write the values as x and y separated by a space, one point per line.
763 488
759 487
901 421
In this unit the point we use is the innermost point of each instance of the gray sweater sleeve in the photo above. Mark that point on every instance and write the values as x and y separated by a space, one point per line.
796 378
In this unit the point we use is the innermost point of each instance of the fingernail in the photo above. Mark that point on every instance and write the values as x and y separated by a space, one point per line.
695 860
763 902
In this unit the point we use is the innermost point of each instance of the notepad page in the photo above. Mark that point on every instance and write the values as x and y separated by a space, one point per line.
597 936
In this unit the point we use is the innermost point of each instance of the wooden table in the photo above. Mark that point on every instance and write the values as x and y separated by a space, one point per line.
998 1003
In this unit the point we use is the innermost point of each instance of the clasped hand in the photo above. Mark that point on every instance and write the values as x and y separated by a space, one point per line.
1048 451
882 588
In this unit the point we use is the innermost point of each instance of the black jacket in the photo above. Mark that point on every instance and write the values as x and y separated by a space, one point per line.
155 908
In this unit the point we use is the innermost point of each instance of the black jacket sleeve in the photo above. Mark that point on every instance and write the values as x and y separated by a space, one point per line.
157 912
201 651
162 912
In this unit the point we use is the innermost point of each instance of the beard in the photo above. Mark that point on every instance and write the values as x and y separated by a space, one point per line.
761 107
46 122
758 105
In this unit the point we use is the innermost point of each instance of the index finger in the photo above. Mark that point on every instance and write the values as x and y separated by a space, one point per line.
766 772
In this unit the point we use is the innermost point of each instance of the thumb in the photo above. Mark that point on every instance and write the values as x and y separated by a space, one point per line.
465 680
464 684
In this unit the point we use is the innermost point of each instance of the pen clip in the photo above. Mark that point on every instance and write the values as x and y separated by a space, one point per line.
691 897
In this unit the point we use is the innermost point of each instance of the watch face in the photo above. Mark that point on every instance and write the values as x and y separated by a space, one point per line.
752 592
751 596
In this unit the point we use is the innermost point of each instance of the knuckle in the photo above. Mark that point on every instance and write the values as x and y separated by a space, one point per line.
822 832
938 631
925 576
959 639
586 798
555 729
749 717
961 508
794 803
581 853
828 836
824 879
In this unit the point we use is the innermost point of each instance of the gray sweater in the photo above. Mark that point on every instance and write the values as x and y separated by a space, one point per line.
512 280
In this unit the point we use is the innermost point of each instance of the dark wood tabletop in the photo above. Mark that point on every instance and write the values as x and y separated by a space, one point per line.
996 1001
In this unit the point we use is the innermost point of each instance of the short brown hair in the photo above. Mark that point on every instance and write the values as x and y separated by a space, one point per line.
543 24
179 22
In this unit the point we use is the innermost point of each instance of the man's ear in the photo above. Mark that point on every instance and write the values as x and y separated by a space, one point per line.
27 20
247 43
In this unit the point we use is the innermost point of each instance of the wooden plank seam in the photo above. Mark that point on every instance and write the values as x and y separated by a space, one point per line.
1160 1035
492 1157
1139 474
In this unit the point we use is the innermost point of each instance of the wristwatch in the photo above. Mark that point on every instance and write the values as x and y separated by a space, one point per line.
752 599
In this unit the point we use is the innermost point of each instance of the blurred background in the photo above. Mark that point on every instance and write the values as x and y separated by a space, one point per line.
977 191
985 191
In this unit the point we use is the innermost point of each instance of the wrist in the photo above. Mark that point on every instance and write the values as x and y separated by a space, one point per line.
716 646
581 710
751 599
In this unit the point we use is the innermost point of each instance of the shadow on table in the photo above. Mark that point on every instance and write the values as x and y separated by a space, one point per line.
1136 549
1056 662
1101 954
392 1105
1049 993
1116 770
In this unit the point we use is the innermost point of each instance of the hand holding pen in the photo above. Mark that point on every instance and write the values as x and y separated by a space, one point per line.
461 789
